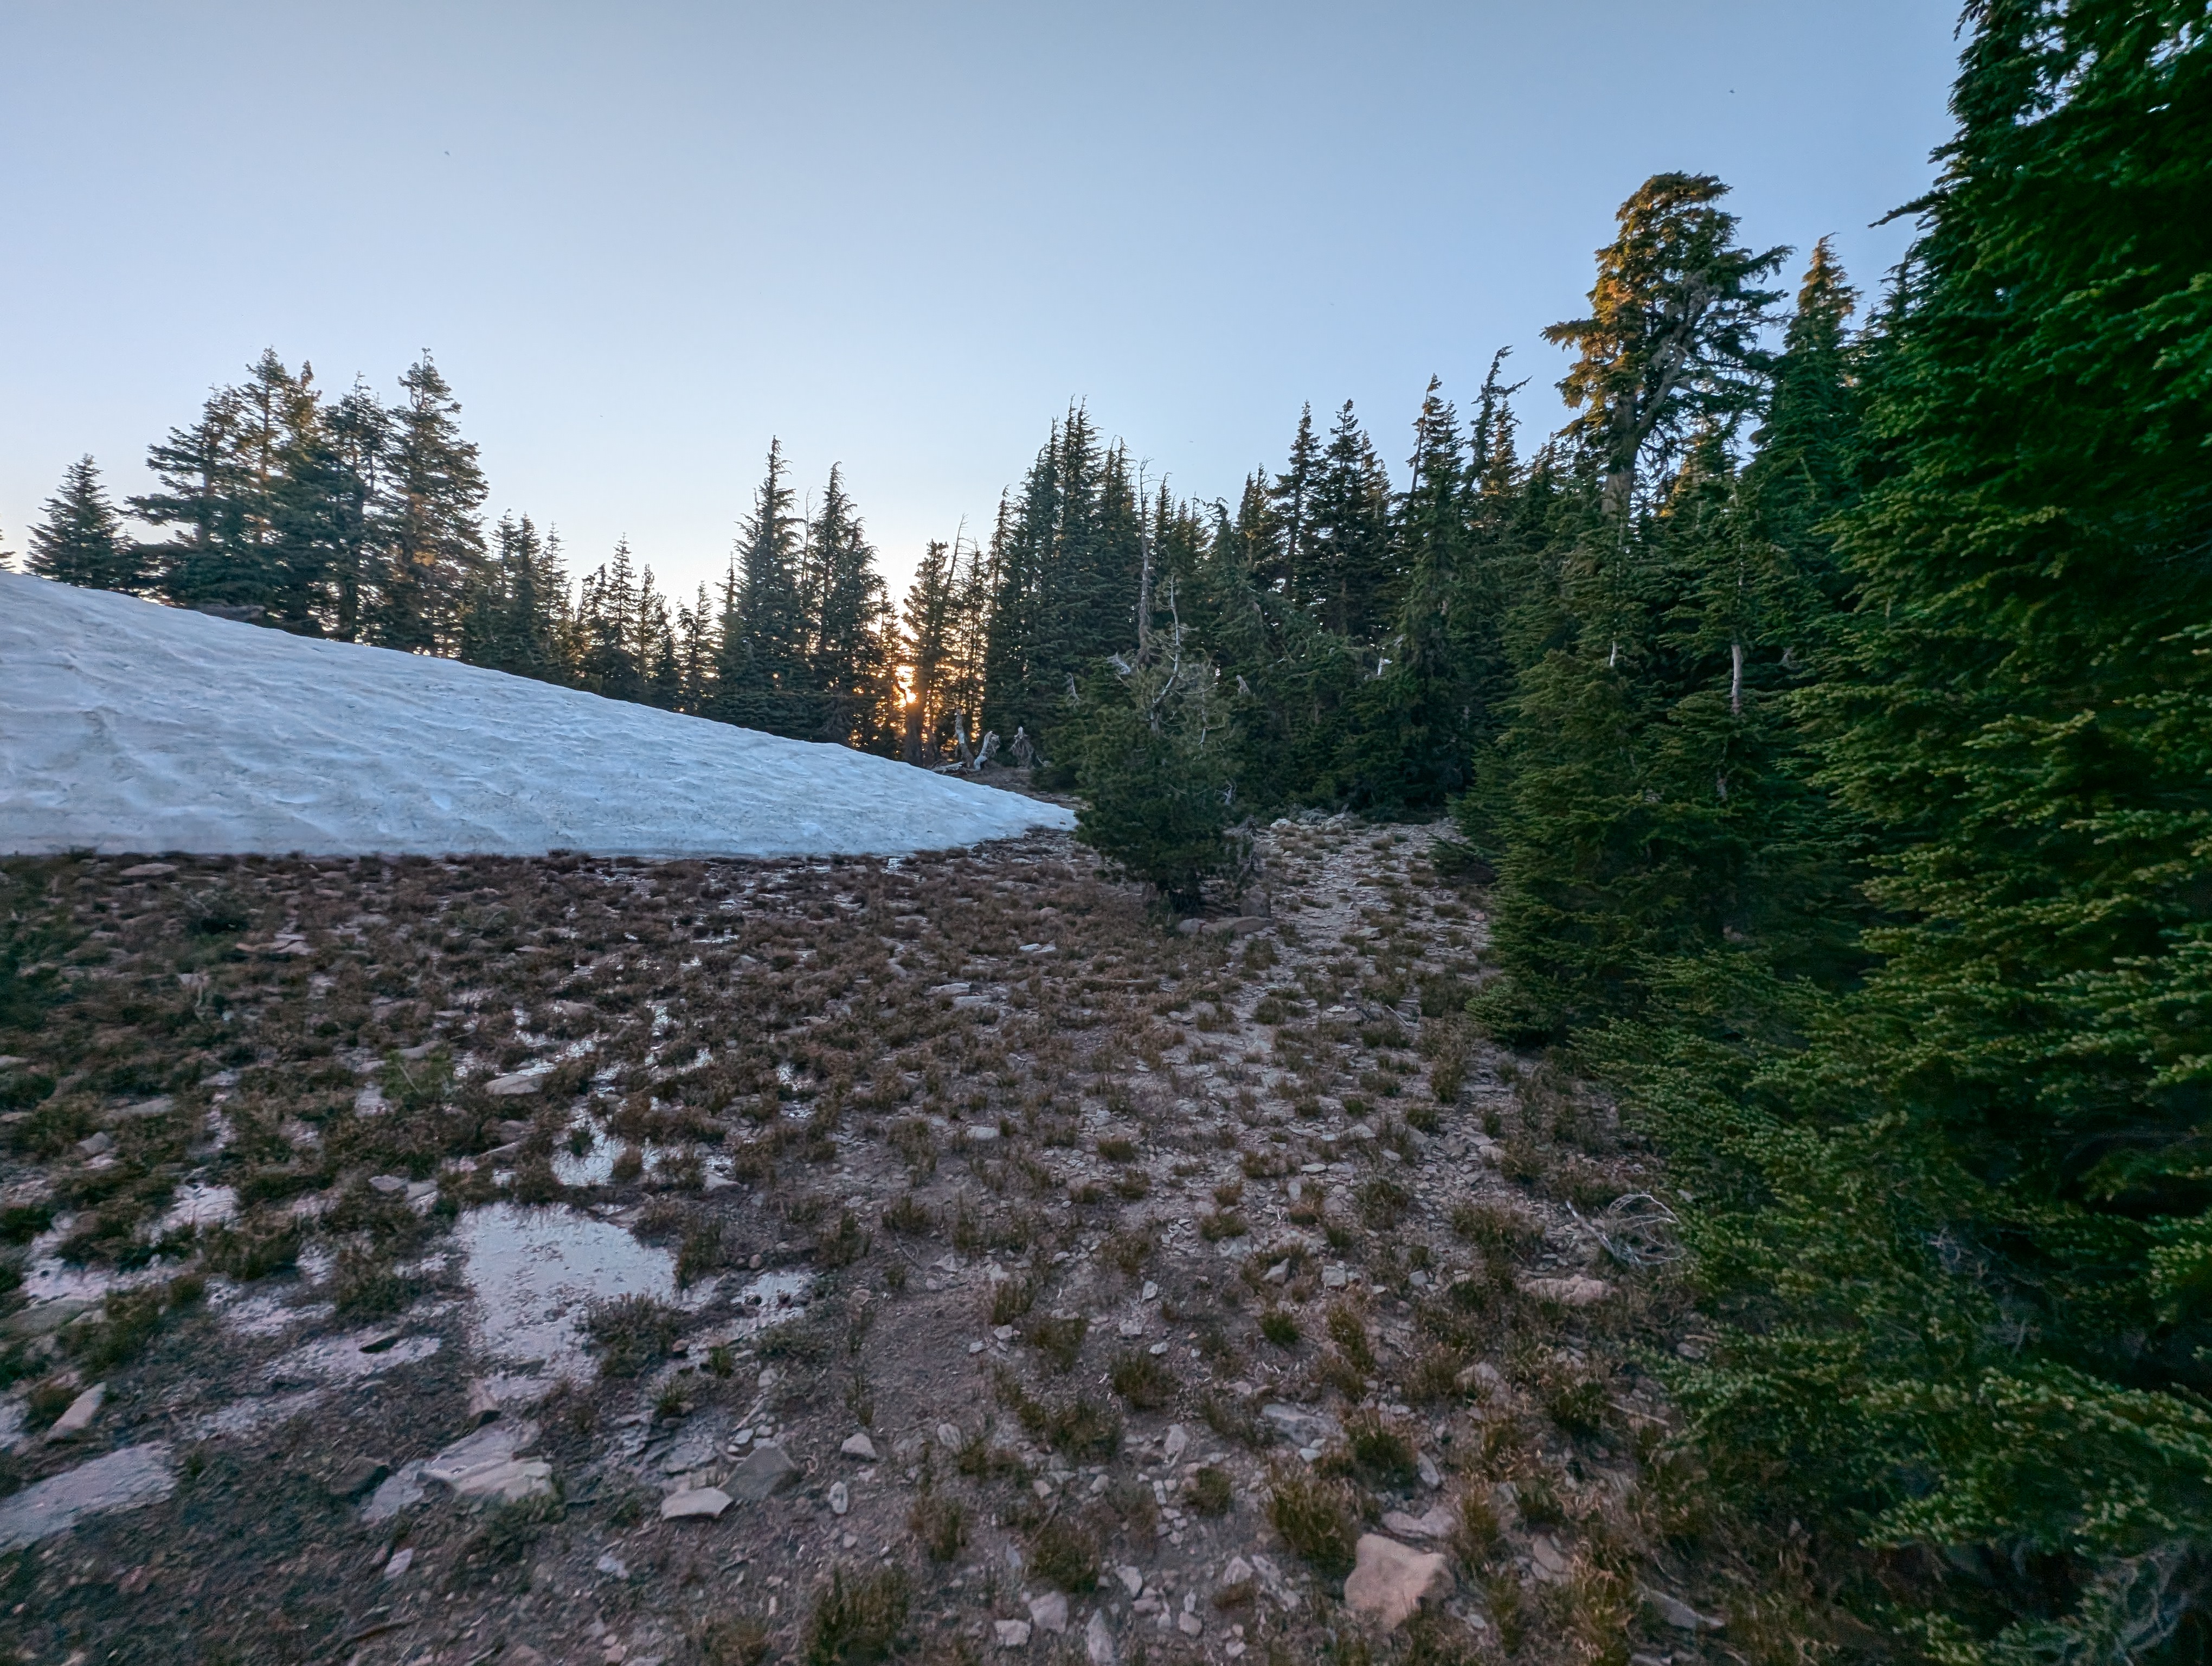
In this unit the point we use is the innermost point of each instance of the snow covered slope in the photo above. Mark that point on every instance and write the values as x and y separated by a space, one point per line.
128 727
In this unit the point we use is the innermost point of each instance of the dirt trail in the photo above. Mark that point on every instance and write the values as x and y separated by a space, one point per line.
724 1262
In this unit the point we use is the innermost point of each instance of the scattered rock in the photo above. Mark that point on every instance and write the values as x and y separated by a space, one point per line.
78 1418
1239 1572
861 1447
949 1437
1431 1477
358 1477
97 1144
1189 1624
766 1471
695 1504
1678 1613
1300 1426
1390 1580
1437 1523
387 1183
1098 1640
402 1559
484 1465
515 1086
148 871
1551 1561
1175 1443
1049 1612
120 1480
394 1493
1012 1633
1133 1580
611 1565
840 1497
483 1401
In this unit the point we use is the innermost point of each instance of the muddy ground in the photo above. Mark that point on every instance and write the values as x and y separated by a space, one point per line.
429 1230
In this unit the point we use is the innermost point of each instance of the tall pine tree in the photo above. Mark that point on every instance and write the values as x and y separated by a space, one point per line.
81 540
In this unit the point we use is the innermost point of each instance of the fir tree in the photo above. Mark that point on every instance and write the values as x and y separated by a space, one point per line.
761 676
929 626
1349 576
81 540
429 534
850 669
1983 1186
1670 346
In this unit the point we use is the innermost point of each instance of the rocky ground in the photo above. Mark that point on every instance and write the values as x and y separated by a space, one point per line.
939 1258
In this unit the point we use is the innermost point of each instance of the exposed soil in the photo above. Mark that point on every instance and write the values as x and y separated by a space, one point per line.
1153 1268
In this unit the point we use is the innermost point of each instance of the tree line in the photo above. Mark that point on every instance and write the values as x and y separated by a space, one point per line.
349 519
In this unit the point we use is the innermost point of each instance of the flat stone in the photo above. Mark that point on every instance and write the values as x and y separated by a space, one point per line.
1547 1556
485 1465
1098 1640
765 1472
387 1183
949 1437
1048 1613
1675 1612
394 1493
515 1086
359 1477
1133 1580
401 1560
1175 1443
1303 1427
1437 1523
1238 1571
840 1497
1189 1624
160 1106
1390 1580
78 1418
1012 1633
859 1446
148 871
610 1565
698 1503
117 1480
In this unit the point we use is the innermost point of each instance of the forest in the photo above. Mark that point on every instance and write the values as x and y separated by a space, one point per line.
1826 710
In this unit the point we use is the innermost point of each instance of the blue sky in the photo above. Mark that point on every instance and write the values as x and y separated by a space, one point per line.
640 239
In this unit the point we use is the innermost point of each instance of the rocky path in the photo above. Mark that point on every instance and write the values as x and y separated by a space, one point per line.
739 1261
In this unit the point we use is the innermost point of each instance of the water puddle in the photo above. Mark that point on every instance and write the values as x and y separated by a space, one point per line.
120 1481
348 1359
535 1271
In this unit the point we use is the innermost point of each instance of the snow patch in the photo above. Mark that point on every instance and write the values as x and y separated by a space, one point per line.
133 726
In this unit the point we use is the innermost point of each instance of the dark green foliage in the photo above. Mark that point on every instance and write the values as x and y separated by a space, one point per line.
81 539
1155 763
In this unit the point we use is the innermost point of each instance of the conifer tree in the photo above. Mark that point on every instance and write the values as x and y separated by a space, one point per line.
357 435
761 676
850 668
929 642
81 540
1670 346
1286 567
1976 1255
429 534
613 629
1349 576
